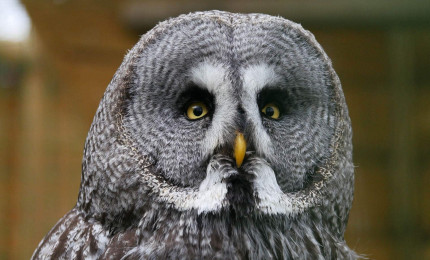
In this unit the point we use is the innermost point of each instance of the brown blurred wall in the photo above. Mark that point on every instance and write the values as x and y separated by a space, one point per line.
76 46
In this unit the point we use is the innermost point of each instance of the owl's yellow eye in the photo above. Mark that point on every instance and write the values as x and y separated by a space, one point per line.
271 110
196 110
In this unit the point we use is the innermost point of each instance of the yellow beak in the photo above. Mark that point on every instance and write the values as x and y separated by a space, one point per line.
239 148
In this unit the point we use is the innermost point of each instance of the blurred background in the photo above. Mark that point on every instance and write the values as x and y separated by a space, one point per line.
58 56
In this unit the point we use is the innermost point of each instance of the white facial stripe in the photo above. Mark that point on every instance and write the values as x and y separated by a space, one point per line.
255 78
213 77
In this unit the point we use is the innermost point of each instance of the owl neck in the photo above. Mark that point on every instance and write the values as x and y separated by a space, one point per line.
230 235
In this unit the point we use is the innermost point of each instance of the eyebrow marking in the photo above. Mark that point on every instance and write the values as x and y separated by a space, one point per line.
255 78
214 77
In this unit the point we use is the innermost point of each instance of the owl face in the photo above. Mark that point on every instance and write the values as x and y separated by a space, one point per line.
201 83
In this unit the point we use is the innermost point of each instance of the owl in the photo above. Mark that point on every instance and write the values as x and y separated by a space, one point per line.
221 136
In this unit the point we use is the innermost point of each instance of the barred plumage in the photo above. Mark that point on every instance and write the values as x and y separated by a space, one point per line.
158 185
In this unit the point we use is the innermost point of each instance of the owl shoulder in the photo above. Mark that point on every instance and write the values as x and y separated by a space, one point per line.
75 237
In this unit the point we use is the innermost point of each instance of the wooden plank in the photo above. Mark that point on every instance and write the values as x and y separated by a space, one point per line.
8 162
403 181
333 13
74 55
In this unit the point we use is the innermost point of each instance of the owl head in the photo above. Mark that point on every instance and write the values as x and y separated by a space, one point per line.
212 113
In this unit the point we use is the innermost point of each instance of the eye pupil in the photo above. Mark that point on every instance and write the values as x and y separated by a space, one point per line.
270 111
197 110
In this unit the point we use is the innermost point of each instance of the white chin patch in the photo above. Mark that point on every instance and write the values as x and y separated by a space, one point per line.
209 197
271 198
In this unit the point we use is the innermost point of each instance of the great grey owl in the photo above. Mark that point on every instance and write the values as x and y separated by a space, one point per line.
221 136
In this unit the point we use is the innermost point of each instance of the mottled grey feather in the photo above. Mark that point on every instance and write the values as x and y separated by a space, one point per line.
156 185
